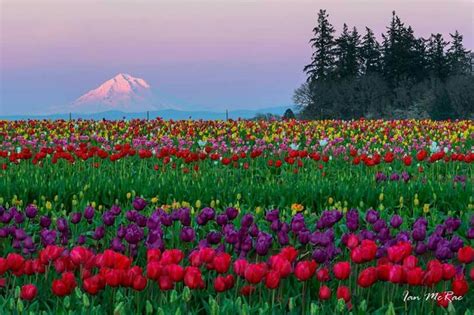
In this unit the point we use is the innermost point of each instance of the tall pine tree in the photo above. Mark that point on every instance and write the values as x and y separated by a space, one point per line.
457 56
370 53
347 54
436 57
401 51
322 60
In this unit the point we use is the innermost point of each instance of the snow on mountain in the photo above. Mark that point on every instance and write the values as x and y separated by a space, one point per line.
123 93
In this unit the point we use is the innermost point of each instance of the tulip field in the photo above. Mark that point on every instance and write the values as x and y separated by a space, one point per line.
236 217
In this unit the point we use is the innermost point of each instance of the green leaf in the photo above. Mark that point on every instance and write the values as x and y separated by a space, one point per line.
173 296
390 309
78 293
451 309
186 294
85 300
363 306
149 307
291 304
20 307
67 302
341 305
119 308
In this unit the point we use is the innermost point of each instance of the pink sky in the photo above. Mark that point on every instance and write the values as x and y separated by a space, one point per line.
209 52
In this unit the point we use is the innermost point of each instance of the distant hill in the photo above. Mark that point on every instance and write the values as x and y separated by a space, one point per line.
164 113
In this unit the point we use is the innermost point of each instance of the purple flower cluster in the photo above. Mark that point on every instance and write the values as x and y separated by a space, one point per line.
394 177
127 231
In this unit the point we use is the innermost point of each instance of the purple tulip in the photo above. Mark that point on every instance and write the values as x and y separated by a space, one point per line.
139 204
31 211
231 213
45 222
396 221
372 216
187 234
89 213
76 217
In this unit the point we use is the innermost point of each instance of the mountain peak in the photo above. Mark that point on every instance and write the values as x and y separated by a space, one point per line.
123 92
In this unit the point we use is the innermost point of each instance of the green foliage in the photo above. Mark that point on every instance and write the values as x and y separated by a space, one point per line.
350 77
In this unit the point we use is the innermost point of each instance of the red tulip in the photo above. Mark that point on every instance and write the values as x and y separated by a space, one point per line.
449 271
207 254
305 270
281 264
60 288
443 299
171 256
139 284
50 253
322 274
399 251
357 255
80 255
28 268
459 286
38 266
421 155
434 273
28 292
154 270
122 262
324 293
229 281
93 284
368 250
15 261
395 274
130 274
415 276
344 293
410 262
176 272
367 277
113 277
272 281
254 273
466 254
69 279
290 253
240 265
193 278
342 270
153 255
3 265
407 160
352 241
222 262
219 284
247 290
165 283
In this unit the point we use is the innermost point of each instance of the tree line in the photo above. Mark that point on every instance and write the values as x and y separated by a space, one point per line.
353 75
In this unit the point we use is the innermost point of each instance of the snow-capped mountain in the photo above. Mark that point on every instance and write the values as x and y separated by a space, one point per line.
123 93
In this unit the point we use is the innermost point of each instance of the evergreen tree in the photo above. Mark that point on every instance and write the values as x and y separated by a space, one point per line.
322 60
457 56
437 61
401 58
289 114
370 53
347 54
